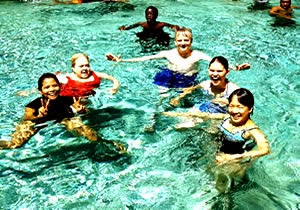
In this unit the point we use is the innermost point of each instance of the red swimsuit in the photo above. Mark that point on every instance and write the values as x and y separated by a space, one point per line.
75 88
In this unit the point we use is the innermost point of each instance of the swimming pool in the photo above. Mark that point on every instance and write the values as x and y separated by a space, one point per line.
167 169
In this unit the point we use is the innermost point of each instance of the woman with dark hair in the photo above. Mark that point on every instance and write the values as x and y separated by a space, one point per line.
218 87
241 141
236 128
51 106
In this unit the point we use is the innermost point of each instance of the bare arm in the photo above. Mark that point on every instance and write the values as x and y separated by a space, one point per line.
112 57
274 11
116 83
203 115
240 67
174 27
42 112
68 2
263 148
186 91
131 26
29 114
281 13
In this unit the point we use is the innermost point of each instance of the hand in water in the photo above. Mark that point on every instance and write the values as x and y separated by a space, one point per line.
174 102
120 147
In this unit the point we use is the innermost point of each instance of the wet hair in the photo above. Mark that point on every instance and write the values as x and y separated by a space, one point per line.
76 56
46 76
290 1
244 96
154 9
186 31
221 60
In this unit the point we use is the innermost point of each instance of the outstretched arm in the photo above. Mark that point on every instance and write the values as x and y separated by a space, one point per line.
240 67
175 101
116 83
130 26
174 27
112 57
68 2
197 113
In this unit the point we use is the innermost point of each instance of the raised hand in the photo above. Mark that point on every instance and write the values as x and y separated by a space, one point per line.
112 57
43 110
80 108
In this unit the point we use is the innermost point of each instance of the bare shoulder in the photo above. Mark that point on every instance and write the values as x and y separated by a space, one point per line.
143 24
161 24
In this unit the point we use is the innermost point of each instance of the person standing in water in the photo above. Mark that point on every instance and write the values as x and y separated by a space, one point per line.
83 80
283 14
152 29
52 107
182 69
241 141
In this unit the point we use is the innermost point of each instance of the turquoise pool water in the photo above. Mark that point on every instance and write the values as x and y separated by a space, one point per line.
166 169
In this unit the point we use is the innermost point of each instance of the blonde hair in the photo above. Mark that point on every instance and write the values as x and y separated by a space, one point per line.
186 31
78 55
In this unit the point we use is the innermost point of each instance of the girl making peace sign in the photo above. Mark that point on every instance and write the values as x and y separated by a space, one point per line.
51 107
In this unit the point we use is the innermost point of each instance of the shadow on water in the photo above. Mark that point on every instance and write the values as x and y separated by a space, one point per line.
264 5
153 42
97 8
99 118
66 156
283 22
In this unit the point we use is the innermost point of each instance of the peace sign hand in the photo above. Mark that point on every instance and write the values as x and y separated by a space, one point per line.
43 110
80 108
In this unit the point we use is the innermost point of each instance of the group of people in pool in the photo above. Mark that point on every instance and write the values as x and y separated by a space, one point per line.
62 95
61 99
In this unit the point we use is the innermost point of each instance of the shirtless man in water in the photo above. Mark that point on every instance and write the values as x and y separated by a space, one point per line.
285 10
151 28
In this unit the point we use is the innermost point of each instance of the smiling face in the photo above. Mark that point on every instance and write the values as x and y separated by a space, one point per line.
50 88
81 67
217 74
183 41
239 113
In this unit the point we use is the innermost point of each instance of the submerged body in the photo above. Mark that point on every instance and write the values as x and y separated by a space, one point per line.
241 139
152 29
